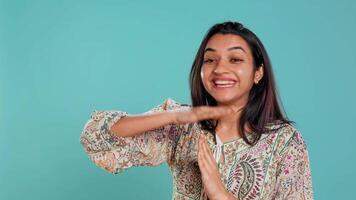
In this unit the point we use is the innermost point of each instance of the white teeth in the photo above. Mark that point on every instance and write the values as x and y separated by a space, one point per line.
224 82
224 86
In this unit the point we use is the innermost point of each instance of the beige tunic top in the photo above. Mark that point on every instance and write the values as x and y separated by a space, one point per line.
277 167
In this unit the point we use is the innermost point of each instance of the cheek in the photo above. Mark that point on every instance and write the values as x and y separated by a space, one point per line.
245 75
204 74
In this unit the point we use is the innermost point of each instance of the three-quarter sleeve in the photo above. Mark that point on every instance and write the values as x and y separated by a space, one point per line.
115 154
294 175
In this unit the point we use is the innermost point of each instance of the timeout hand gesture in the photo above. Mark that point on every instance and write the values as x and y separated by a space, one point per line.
210 175
200 113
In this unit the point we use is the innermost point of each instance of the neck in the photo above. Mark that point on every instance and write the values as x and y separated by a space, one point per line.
228 124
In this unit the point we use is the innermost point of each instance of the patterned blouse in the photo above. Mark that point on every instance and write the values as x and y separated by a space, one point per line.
277 167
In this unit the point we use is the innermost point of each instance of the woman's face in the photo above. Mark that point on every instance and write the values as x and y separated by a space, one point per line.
227 72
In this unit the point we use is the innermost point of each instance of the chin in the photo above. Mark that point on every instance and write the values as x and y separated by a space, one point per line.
224 100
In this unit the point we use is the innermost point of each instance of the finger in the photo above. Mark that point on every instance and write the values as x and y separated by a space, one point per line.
201 160
205 145
207 154
219 111
202 150
200 147
205 158
203 169
208 112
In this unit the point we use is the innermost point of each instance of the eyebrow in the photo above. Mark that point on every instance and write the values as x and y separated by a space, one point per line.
229 49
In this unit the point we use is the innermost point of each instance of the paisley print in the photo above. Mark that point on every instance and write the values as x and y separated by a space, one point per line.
277 167
246 177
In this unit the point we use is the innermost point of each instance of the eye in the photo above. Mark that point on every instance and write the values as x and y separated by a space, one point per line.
236 60
208 60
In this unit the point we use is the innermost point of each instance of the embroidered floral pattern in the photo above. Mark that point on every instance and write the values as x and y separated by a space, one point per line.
277 167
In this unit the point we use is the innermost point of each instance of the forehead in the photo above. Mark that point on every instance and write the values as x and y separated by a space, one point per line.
221 42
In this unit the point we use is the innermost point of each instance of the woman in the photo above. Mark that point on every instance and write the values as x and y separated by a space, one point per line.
233 142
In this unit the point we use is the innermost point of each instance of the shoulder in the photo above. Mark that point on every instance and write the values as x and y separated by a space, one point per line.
288 136
281 129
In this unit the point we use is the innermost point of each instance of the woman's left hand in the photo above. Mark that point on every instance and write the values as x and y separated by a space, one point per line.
213 186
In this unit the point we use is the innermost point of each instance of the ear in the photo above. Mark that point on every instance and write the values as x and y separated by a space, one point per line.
259 73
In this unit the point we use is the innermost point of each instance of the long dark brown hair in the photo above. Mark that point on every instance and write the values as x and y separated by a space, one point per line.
263 106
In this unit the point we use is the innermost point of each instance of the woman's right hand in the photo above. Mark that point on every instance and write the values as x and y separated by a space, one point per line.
199 113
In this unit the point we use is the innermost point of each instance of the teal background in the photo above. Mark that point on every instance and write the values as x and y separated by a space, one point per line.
60 60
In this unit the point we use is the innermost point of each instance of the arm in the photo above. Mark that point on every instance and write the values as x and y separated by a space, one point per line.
149 145
115 140
134 125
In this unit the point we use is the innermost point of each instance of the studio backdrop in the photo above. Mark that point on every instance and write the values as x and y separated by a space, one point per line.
61 60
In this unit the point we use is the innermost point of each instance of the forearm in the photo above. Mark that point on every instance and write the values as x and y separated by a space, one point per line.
137 124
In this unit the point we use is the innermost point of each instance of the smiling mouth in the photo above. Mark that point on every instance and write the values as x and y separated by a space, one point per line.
224 83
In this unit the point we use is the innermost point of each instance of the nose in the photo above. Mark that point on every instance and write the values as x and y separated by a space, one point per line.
220 68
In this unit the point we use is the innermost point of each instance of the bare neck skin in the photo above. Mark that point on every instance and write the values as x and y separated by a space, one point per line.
227 128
